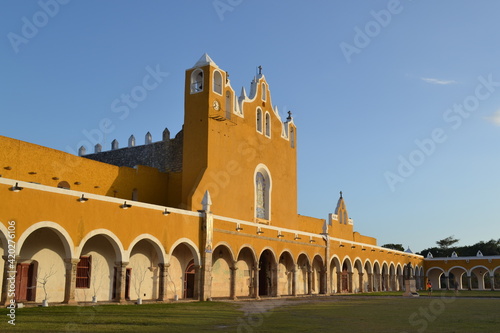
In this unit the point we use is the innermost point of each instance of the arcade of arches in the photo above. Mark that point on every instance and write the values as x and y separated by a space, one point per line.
209 213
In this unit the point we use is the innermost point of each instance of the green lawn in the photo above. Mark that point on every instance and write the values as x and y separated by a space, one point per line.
316 314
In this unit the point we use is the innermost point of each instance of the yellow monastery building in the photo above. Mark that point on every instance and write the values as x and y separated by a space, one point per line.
209 213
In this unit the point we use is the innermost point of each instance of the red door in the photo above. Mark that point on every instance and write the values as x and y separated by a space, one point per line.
26 281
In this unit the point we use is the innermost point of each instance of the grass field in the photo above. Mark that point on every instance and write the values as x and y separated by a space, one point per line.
465 313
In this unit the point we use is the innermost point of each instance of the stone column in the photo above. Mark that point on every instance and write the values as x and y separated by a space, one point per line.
232 292
256 270
361 282
8 277
275 282
70 284
386 282
448 284
198 281
294 280
401 282
350 282
205 283
370 282
121 273
162 288
378 277
309 281
469 280
324 282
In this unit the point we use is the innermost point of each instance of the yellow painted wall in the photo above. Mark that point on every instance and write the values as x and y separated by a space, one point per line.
33 163
235 149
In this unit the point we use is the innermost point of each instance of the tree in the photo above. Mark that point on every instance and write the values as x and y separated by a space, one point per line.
447 242
45 279
398 247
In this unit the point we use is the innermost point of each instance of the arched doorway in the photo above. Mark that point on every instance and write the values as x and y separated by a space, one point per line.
344 284
266 274
26 280
285 274
189 275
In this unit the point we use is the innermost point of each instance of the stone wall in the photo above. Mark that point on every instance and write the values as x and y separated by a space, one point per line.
165 155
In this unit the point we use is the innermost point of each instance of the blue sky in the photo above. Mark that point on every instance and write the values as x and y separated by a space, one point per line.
397 103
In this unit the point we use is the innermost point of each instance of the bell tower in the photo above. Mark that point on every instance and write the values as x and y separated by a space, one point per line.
203 96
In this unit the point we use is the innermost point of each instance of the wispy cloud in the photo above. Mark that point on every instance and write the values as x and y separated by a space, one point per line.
495 118
437 81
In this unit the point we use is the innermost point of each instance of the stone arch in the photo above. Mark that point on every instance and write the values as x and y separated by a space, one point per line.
229 249
358 275
58 229
496 277
183 271
247 271
302 275
144 255
346 284
479 272
43 250
392 277
192 247
334 274
368 276
377 278
105 254
317 278
249 248
114 240
399 277
286 269
268 277
222 264
385 276
457 277
155 242
434 276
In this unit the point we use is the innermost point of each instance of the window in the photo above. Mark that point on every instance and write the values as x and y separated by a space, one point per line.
263 87
268 124
262 193
260 184
259 120
83 270
217 83
196 81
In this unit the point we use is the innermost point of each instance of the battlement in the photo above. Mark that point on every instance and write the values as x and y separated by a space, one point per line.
165 155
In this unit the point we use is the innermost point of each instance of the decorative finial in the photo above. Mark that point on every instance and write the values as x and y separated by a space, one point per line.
260 69
289 115
341 194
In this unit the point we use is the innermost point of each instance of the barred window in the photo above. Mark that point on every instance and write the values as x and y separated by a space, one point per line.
83 270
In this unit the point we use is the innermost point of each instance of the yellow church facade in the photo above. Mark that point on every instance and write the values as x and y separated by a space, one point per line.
221 221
